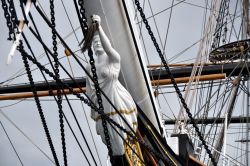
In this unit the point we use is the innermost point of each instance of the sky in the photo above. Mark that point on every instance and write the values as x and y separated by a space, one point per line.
185 29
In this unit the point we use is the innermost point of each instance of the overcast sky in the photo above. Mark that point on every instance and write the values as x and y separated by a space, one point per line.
185 29
25 115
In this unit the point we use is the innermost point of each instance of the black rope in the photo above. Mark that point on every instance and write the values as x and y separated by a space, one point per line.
137 3
7 17
12 145
26 64
23 11
59 96
70 22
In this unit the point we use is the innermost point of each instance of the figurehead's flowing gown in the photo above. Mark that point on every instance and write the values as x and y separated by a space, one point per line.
108 74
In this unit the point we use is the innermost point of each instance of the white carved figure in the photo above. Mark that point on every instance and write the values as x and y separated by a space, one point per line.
107 62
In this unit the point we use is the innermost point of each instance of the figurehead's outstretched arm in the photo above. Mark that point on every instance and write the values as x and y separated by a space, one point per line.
110 51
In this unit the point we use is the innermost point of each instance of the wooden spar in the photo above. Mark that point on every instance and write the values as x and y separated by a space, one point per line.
186 79
39 94
174 65
77 90
171 65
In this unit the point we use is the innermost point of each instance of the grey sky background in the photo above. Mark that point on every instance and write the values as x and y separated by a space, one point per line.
185 29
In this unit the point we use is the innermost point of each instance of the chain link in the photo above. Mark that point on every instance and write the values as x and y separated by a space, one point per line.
13 18
83 17
7 17
94 107
99 100
96 84
59 95
39 107
137 3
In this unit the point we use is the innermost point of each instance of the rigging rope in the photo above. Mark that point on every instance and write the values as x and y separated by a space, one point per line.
137 3
26 136
11 144
23 11
91 132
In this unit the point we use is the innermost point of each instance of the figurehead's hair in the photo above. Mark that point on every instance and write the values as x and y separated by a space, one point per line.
89 37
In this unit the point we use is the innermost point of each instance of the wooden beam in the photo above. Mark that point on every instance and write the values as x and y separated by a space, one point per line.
186 79
171 65
175 65
39 94
77 90
211 120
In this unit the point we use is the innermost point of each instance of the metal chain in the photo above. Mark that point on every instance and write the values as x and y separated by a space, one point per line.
39 107
59 95
99 100
13 17
137 3
83 17
7 17
92 105
95 80
167 160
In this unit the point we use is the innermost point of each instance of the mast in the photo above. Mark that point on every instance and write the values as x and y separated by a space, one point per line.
248 125
245 35
245 19
225 140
